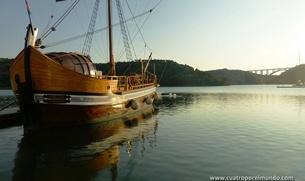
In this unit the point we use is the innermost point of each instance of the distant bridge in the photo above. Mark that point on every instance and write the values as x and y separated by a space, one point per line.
269 71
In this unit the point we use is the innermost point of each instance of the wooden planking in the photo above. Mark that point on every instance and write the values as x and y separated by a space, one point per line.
50 76
17 67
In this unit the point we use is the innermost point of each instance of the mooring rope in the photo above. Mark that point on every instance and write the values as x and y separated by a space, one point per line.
8 103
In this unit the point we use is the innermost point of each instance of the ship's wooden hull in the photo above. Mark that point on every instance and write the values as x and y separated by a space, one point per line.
51 94
47 75
86 108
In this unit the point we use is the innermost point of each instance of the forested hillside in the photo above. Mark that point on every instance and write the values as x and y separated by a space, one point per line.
170 73
4 72
290 76
239 77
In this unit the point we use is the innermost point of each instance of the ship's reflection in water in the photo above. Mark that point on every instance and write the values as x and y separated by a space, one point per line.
79 152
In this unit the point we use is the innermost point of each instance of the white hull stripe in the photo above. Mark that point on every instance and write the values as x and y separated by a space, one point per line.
109 99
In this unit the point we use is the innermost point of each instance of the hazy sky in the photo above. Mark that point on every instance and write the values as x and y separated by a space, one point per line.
207 34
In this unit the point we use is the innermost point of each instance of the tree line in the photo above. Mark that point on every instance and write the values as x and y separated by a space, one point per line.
171 73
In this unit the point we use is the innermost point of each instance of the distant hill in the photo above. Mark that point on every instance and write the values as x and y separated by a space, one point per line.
170 73
290 76
239 77
4 72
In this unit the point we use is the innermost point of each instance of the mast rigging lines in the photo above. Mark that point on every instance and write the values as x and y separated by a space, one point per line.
96 31
53 28
123 30
89 35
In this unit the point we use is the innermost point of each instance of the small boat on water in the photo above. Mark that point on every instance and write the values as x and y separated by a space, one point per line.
60 88
299 84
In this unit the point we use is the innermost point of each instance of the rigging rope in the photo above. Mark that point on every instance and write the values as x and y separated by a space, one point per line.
89 35
124 32
102 29
139 31
133 18
11 101
139 28
53 28
162 73
49 23
99 30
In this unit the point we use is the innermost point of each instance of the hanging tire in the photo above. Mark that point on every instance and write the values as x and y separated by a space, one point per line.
134 104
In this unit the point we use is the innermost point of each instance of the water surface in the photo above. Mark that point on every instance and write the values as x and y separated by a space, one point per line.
203 132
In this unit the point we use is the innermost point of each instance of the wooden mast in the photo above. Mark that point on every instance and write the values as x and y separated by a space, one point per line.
111 62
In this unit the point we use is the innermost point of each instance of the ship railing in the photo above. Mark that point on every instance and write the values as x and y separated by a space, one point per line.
136 81
139 81
132 82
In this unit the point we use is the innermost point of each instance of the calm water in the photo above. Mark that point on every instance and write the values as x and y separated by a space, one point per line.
205 131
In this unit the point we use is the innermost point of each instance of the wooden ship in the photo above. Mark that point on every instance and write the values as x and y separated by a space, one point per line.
60 88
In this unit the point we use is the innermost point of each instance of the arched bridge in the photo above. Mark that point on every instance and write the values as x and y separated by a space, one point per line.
269 71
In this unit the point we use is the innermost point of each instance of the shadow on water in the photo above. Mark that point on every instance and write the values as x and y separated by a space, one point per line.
79 152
